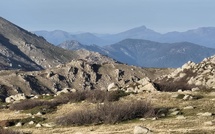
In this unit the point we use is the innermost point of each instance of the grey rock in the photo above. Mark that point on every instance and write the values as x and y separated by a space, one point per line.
181 117
188 107
112 87
141 130
19 124
38 125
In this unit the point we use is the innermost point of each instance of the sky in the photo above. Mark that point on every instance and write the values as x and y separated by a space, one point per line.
109 16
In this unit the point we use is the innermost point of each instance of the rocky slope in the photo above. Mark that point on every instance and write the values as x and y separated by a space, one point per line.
77 74
31 52
192 76
23 50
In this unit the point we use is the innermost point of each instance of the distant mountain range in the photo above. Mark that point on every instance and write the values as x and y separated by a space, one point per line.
204 36
146 53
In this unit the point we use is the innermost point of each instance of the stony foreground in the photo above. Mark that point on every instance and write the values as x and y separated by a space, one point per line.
188 116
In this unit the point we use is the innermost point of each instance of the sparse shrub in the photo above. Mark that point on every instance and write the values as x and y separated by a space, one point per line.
26 104
34 106
108 113
47 106
116 95
170 86
35 120
91 96
71 97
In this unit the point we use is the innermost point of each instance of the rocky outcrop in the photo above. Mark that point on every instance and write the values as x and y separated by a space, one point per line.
143 85
78 75
197 76
16 97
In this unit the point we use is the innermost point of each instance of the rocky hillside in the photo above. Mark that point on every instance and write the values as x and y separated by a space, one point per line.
77 74
191 76
148 53
23 50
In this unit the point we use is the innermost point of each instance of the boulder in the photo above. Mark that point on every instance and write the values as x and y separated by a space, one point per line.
144 84
31 123
66 90
175 113
38 125
16 97
209 123
188 107
19 124
141 130
181 117
195 89
112 87
206 114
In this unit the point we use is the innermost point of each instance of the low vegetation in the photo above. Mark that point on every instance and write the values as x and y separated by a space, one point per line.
108 113
45 106
169 86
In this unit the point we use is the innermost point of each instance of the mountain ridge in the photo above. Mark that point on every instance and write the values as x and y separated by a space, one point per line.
147 53
201 36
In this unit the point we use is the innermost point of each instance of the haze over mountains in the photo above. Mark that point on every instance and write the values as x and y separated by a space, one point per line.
146 53
21 49
202 36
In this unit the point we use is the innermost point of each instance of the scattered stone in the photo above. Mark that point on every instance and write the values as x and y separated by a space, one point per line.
48 125
195 89
141 130
155 118
39 114
209 123
187 97
173 109
31 123
180 90
66 90
188 107
19 124
112 87
206 114
175 113
16 97
38 125
181 117
29 114
142 119
175 96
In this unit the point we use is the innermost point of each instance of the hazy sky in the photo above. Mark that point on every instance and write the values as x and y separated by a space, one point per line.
109 16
